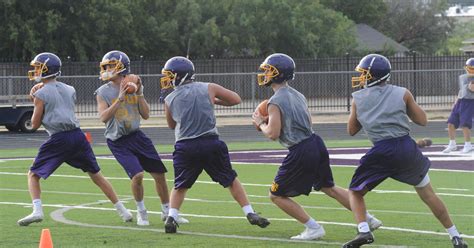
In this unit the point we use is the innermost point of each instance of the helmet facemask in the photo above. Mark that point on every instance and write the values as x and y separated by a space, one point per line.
168 79
361 81
469 69
38 69
110 68
269 72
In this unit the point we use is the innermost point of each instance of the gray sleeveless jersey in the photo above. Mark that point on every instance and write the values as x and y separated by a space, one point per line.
296 119
192 110
127 118
59 102
464 92
382 112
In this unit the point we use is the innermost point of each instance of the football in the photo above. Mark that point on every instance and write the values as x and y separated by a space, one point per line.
262 108
428 141
424 142
131 88
132 81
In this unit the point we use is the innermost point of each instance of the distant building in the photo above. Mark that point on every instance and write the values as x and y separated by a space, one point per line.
461 13
371 40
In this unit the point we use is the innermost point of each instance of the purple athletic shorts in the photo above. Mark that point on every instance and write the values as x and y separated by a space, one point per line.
305 167
397 158
70 147
462 113
135 152
207 153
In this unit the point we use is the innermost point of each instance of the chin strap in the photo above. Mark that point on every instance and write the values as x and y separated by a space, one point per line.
382 79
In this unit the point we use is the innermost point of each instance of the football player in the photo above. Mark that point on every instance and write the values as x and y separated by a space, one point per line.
54 108
189 110
307 164
121 113
383 111
462 113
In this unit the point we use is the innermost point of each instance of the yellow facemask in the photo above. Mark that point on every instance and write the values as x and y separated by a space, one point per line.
361 80
269 72
167 80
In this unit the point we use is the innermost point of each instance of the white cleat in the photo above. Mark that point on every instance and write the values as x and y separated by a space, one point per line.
374 223
450 149
310 234
467 149
180 220
125 214
142 218
32 218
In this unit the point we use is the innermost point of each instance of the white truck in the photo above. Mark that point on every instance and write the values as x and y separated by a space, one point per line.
15 110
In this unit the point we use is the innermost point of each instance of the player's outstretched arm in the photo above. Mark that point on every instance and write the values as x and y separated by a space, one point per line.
353 125
37 113
273 128
169 118
222 96
414 111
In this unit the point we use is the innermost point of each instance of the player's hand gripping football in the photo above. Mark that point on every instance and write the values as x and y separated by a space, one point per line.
122 92
258 119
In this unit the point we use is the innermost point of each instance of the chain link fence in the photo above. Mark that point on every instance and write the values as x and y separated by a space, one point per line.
328 92
433 80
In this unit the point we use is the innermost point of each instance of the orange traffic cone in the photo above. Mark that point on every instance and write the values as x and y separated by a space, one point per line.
88 137
45 240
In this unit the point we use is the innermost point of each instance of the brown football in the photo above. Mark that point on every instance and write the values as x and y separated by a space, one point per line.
421 143
131 88
428 141
263 108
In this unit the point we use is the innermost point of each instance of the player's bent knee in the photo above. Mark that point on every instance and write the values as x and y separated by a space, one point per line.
424 182
138 178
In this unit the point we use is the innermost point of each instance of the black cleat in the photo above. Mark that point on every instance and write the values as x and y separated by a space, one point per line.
255 219
458 242
359 240
171 225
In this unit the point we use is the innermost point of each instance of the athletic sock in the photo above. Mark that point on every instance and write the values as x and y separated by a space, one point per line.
141 205
467 143
363 227
453 232
165 208
173 212
37 207
119 206
311 223
247 209
368 216
452 142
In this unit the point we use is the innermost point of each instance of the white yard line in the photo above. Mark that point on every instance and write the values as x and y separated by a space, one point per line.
454 189
233 202
57 215
245 184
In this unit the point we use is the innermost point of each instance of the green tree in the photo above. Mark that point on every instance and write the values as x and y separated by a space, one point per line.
86 30
417 25
370 12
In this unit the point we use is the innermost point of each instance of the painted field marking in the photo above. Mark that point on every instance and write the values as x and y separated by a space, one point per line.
245 184
242 163
233 202
454 189
358 156
88 207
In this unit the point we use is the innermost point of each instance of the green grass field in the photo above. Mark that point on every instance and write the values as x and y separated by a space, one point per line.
216 220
